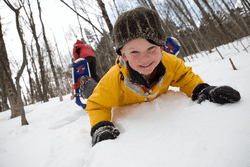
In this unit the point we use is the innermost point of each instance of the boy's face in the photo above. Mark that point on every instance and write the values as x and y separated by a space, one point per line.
142 56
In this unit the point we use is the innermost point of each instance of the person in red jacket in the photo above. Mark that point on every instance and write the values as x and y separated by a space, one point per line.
81 50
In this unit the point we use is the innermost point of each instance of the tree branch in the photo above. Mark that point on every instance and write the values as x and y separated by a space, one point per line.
82 17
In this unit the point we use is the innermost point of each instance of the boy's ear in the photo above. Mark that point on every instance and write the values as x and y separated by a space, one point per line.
124 56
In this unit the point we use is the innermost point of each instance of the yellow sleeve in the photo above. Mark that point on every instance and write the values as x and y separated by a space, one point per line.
183 76
106 95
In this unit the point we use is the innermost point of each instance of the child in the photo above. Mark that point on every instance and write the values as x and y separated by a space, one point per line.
81 50
143 71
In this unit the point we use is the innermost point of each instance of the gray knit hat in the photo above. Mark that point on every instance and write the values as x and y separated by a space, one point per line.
140 22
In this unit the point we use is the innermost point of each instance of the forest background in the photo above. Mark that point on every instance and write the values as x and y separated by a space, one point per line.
37 38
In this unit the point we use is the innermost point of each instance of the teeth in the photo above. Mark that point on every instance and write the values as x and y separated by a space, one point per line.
146 65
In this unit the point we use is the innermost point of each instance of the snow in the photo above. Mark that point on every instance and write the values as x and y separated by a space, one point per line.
170 131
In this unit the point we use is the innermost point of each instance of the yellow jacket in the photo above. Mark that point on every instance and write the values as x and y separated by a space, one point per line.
116 89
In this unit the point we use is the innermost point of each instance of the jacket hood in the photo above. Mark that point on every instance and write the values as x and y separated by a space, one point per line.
78 42
119 61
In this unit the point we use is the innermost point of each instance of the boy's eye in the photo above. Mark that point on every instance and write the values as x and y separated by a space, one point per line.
152 47
134 52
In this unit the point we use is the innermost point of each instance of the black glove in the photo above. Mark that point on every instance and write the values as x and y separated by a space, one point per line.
216 94
78 50
103 131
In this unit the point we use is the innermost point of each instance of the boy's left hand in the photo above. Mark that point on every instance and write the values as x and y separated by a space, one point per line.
216 94
104 130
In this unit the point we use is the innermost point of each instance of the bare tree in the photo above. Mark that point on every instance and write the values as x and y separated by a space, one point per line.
99 63
143 3
14 94
232 16
67 85
206 17
246 3
58 88
185 34
80 26
151 5
227 35
32 98
38 47
105 16
4 102
35 71
82 17
116 8
190 20
3 91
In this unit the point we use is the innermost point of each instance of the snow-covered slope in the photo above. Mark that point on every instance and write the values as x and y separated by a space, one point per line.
169 131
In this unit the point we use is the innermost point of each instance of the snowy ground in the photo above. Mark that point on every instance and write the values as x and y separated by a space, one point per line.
171 131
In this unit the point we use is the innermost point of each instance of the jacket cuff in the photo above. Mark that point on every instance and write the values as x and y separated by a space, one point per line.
100 124
198 89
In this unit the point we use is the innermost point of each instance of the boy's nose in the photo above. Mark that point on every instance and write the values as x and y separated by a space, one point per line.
145 57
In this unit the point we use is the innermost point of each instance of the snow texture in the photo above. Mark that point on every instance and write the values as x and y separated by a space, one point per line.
170 131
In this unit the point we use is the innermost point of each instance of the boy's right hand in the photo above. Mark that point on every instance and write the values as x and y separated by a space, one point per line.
104 130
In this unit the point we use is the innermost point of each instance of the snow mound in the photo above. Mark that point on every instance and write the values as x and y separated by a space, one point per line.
171 131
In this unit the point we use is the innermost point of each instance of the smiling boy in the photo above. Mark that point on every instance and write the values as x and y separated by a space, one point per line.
142 56
143 71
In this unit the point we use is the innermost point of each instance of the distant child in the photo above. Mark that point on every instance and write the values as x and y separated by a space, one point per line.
81 50
143 71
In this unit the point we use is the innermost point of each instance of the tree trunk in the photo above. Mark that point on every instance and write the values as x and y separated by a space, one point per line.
68 83
227 35
4 103
50 55
233 17
143 3
116 8
73 1
184 24
151 5
14 94
212 25
31 87
190 20
40 57
39 90
241 18
105 15
246 3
